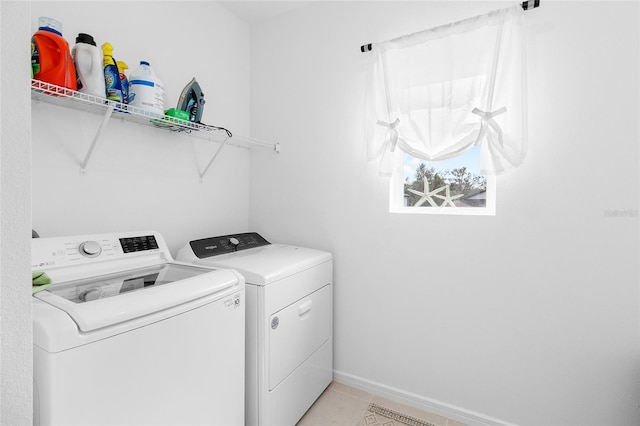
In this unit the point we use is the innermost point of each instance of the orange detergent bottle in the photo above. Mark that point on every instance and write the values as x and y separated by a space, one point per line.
51 60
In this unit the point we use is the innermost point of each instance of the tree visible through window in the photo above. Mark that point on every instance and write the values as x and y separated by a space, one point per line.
466 189
449 186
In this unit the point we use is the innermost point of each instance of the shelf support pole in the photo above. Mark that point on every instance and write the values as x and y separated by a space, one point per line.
206 169
105 119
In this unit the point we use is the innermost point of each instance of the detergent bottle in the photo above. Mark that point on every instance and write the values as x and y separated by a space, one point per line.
88 61
51 60
123 81
113 87
146 90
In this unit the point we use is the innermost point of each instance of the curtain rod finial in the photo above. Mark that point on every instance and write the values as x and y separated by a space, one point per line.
530 4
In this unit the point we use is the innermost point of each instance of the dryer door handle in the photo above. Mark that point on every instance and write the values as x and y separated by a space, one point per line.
305 307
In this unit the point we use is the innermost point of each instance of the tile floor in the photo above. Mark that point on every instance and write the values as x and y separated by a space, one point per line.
342 405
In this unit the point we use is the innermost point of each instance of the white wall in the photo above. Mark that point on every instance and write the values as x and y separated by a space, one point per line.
138 177
15 218
529 317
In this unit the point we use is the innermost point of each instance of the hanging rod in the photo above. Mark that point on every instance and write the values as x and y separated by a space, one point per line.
526 5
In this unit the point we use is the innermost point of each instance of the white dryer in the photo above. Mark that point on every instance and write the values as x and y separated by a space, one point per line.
289 321
127 336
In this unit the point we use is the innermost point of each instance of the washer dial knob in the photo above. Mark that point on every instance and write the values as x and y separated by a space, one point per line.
90 249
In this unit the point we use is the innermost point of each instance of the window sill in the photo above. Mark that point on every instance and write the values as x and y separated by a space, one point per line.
454 211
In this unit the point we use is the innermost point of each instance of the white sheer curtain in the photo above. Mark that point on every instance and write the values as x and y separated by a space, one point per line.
436 93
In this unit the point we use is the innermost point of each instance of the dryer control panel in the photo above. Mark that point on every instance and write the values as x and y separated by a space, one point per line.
214 246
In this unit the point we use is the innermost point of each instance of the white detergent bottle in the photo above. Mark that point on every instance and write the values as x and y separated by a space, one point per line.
146 90
87 58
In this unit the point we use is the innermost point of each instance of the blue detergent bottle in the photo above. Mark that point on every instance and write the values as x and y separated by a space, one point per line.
113 86
123 81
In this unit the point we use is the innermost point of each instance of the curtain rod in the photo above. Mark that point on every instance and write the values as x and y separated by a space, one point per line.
526 5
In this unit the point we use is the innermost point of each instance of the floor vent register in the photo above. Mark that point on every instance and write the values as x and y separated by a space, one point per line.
381 416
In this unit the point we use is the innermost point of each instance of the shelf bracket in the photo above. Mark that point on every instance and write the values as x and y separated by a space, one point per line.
105 119
206 169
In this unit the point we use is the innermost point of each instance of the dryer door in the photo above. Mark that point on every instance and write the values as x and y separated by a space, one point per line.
296 332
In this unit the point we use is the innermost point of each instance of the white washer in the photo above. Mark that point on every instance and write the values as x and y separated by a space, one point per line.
289 321
127 336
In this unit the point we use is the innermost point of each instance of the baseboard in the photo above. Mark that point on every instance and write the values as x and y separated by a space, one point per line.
452 412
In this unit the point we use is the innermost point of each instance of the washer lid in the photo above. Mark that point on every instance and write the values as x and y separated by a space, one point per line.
267 264
105 300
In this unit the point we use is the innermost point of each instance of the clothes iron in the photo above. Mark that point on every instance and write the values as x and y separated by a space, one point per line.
192 101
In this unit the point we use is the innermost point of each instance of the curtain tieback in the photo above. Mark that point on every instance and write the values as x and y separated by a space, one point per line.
488 121
392 133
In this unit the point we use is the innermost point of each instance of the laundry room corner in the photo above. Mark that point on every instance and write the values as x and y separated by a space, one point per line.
259 281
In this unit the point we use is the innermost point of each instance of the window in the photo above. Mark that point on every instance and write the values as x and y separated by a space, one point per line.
454 186
449 104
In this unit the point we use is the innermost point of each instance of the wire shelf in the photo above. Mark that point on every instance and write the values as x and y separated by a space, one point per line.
57 95
62 96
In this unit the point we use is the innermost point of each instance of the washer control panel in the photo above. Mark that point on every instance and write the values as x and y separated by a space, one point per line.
48 253
214 246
